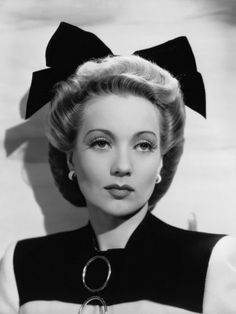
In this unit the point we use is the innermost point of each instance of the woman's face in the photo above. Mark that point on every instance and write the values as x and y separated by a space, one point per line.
117 154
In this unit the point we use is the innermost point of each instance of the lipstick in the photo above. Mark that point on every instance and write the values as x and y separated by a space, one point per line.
119 191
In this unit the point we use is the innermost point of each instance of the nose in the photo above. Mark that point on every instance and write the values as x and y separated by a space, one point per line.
122 165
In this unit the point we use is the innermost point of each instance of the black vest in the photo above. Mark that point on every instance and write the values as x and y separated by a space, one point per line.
160 263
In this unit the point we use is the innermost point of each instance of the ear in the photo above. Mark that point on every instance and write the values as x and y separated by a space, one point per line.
69 160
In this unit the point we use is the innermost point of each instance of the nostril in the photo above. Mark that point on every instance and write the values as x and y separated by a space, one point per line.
122 173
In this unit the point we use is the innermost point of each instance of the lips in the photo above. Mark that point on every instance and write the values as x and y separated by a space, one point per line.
119 187
119 191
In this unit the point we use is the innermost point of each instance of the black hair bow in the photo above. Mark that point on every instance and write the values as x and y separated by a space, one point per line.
71 46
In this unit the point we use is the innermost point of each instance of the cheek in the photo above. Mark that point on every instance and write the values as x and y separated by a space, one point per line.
147 178
148 170
89 171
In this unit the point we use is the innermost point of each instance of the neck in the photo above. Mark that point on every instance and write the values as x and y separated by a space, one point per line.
114 232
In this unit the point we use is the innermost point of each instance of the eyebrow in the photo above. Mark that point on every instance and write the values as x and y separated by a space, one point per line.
112 135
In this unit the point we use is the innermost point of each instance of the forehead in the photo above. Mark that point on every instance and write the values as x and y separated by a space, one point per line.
121 113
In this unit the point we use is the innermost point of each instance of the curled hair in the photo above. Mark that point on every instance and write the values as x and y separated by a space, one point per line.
115 75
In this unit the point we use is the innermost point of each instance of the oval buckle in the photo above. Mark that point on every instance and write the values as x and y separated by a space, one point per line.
103 304
108 273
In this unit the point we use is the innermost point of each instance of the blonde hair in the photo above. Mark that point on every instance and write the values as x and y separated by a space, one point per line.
121 74
118 75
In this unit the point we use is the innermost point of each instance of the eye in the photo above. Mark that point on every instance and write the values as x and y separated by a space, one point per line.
100 143
145 146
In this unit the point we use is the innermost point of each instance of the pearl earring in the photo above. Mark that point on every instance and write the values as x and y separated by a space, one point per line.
71 175
158 179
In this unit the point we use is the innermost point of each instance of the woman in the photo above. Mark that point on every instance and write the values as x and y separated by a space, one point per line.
116 136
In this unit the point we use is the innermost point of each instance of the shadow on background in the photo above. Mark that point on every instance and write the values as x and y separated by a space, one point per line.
225 10
59 215
221 11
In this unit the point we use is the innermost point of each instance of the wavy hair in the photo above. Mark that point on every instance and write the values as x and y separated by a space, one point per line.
114 75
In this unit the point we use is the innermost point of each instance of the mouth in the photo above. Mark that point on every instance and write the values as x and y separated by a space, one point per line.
119 191
124 187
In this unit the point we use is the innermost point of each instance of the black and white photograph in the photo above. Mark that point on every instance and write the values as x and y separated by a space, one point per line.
117 157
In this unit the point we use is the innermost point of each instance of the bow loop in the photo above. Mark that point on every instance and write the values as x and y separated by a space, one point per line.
175 55
193 91
41 89
71 46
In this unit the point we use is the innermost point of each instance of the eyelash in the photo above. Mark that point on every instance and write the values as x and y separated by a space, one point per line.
98 140
151 146
95 142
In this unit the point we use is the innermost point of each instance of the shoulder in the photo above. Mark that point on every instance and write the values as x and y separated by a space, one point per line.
224 252
193 247
177 259
220 288
22 258
185 238
44 252
49 245
207 263
46 260
191 250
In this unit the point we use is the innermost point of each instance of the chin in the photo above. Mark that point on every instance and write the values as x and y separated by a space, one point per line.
121 208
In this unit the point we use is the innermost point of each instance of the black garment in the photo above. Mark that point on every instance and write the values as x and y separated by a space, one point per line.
160 263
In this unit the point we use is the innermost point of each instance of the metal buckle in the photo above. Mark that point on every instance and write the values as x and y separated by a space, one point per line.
85 270
103 306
